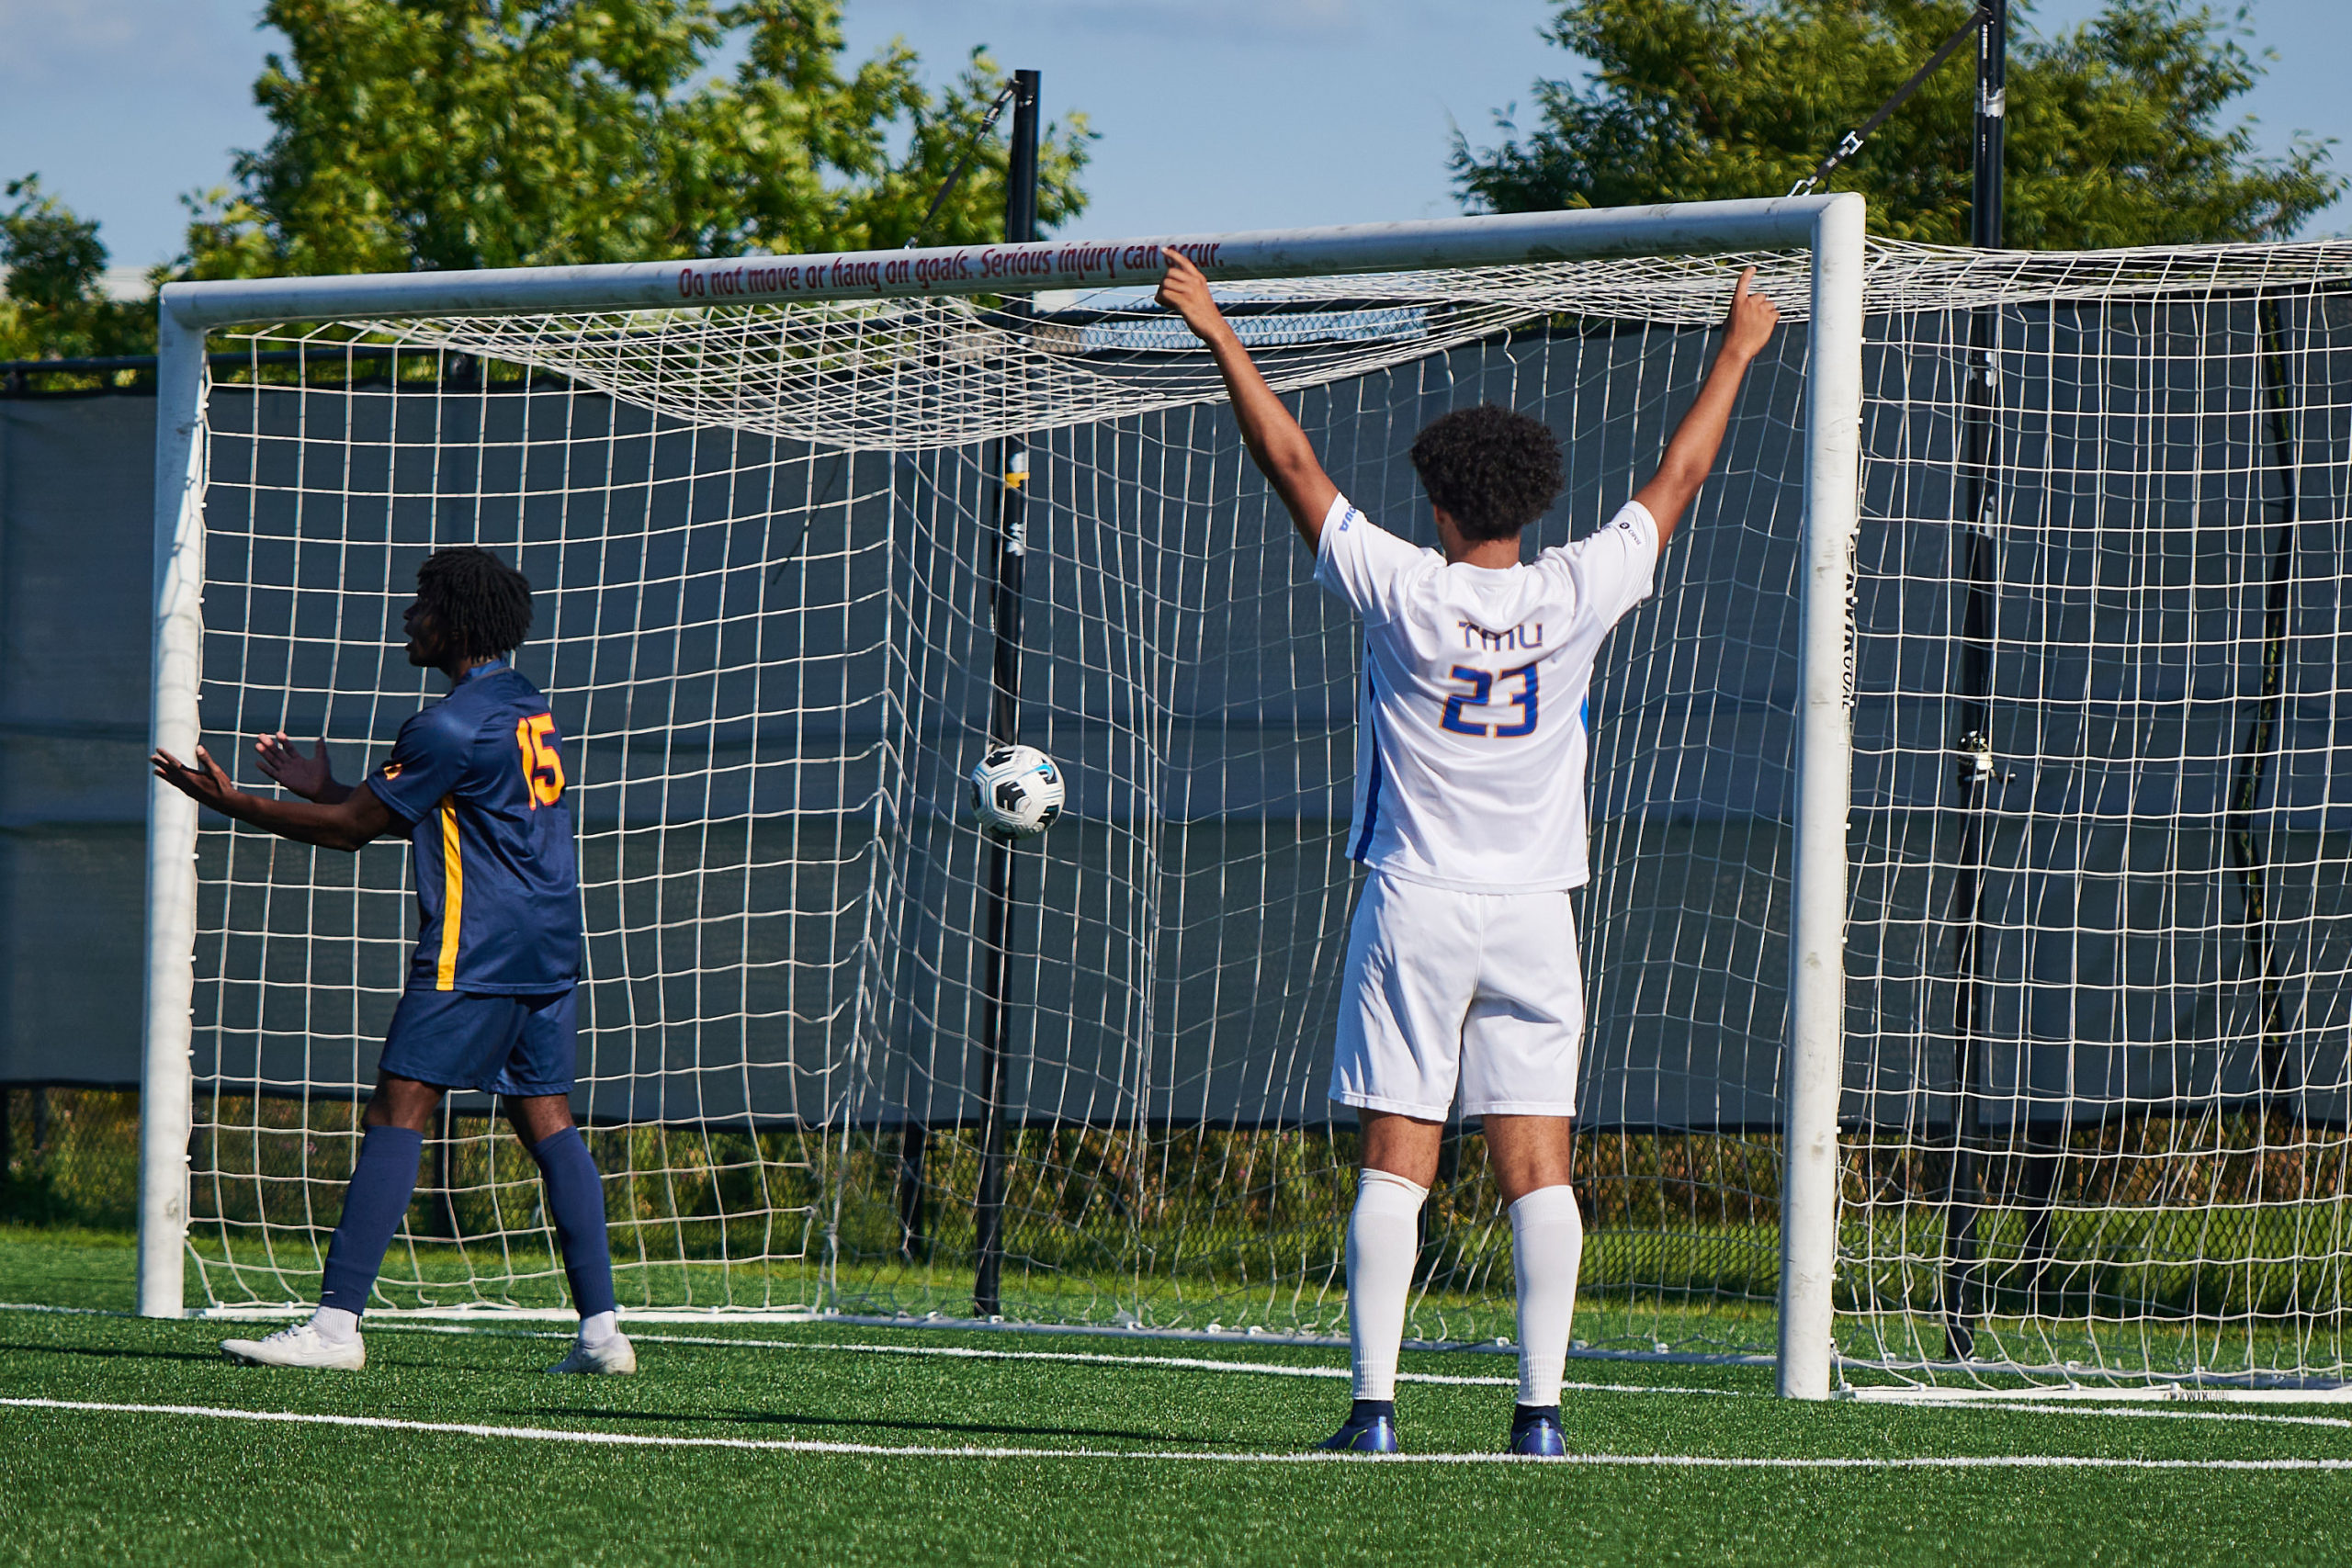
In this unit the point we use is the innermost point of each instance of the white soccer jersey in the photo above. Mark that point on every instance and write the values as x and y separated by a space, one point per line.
1472 725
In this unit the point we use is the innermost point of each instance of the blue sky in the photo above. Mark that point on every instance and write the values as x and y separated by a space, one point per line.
1213 114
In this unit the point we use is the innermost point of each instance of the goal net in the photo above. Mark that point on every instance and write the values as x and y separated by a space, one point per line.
2095 1092
2100 954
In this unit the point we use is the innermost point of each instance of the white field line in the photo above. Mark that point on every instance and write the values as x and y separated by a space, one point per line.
382 1316
2041 1407
967 1353
2019 1406
884 1451
2158 1394
1186 1363
960 1352
2031 1407
1190 1363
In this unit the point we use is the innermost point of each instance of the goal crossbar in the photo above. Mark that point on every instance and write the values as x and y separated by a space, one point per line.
1829 227
1673 229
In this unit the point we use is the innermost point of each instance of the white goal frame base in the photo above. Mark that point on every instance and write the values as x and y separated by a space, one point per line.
2186 1391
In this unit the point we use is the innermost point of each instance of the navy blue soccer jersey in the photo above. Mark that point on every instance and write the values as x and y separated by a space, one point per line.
478 777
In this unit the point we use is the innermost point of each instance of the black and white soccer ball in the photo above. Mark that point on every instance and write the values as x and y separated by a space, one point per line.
1016 792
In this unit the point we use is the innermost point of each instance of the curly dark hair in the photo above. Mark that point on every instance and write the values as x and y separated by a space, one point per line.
479 601
1493 470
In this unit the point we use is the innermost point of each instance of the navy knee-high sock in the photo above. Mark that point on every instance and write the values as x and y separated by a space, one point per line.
576 1200
381 1184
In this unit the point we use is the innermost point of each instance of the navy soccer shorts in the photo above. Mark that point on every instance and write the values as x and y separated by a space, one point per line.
506 1045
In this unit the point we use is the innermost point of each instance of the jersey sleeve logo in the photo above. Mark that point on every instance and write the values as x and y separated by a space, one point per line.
392 770
542 763
1458 719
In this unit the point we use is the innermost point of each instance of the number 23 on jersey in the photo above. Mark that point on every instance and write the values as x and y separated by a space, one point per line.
542 765
1474 711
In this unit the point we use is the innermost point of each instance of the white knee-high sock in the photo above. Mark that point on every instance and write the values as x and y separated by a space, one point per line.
1547 1246
1383 1240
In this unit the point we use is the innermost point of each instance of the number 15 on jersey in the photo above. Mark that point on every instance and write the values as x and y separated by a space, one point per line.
542 764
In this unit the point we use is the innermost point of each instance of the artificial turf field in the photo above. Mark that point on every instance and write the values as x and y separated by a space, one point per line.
837 1443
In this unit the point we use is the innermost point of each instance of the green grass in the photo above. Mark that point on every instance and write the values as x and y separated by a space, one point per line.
78 1487
524 1271
56 1267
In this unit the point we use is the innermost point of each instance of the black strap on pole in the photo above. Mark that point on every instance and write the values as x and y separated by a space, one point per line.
1978 774
2249 854
1854 139
1004 729
972 150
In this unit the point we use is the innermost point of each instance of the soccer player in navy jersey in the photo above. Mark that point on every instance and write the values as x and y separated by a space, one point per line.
476 781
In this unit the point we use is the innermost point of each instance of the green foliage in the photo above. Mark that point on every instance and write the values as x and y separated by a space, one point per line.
54 258
2116 134
71 1156
55 306
423 135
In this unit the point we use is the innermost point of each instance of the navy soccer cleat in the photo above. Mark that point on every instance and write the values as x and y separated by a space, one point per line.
1370 1429
1536 1433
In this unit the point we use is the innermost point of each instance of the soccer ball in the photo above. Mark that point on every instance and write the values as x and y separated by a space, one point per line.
1016 792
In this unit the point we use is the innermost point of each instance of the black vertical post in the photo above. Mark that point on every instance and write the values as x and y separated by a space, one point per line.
2249 854
1004 729
914 1140
1976 774
1992 123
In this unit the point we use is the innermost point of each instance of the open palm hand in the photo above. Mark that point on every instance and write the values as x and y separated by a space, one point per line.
310 777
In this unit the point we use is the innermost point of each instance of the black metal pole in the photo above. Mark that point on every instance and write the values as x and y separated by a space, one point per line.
1985 227
1004 729
1976 774
2249 854
914 1142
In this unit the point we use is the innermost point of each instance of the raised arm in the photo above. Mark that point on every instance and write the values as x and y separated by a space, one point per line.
1276 444
1700 437
354 820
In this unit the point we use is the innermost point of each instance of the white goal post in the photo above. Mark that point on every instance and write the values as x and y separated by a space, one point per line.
1828 228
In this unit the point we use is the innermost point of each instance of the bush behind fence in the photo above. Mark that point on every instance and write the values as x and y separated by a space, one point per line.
1671 1213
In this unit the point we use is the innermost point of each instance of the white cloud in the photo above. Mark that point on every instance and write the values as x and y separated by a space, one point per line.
1221 21
35 31
106 43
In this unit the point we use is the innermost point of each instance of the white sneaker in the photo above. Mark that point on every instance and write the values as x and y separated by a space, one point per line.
300 1346
615 1357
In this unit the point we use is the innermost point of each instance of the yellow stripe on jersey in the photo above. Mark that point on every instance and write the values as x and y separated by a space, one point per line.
453 895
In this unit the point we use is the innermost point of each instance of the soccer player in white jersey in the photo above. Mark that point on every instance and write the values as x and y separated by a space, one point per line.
1471 738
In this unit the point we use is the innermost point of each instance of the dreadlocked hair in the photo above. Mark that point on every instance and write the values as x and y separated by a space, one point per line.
1494 471
481 602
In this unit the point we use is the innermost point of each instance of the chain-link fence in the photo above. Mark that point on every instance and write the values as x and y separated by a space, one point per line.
69 1157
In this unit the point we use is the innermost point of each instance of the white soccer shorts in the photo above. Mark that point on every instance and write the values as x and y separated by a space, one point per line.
1443 989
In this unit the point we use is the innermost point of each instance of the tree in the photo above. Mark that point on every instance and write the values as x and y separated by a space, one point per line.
425 134
55 306
2115 130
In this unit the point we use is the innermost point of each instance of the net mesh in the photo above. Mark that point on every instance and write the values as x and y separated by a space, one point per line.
2097 1087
